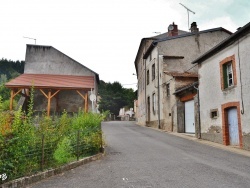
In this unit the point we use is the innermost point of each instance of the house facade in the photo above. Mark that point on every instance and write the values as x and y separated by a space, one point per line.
224 82
164 67
60 82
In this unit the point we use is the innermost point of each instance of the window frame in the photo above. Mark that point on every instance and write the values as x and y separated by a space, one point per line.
153 71
154 103
147 77
224 74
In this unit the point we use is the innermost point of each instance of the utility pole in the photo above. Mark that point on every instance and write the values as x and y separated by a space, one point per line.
188 10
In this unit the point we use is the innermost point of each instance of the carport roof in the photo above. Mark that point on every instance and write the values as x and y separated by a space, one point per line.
51 81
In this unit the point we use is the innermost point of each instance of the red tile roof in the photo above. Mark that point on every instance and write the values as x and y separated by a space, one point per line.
52 81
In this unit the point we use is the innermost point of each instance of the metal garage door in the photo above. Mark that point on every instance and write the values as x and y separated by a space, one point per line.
189 117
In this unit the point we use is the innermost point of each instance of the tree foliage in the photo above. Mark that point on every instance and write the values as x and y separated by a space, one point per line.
114 96
9 69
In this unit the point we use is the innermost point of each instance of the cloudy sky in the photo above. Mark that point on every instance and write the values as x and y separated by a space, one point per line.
104 35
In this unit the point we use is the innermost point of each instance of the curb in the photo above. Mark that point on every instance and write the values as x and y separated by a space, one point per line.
24 181
232 149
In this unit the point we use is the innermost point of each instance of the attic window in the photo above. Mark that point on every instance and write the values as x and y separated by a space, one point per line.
214 113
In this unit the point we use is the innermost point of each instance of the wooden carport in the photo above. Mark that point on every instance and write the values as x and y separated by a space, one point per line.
53 84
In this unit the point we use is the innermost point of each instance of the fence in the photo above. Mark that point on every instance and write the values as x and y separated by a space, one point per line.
19 158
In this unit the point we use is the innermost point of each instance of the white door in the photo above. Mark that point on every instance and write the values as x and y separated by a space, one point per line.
233 126
189 117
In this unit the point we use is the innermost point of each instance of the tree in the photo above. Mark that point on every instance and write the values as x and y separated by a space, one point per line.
114 96
9 69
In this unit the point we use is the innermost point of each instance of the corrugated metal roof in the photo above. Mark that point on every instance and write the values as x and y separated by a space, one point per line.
52 81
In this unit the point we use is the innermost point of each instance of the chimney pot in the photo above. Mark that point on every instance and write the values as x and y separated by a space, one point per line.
194 27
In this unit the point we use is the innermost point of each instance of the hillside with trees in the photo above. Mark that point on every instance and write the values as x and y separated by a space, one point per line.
114 96
9 69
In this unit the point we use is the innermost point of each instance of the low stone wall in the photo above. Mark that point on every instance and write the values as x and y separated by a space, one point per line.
24 181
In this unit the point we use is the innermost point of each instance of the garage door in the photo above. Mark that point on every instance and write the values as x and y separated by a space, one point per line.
189 117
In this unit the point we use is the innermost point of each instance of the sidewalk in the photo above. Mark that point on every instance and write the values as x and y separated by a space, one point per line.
233 149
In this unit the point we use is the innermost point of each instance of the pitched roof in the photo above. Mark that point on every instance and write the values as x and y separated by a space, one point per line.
155 42
225 43
182 74
157 37
189 86
51 81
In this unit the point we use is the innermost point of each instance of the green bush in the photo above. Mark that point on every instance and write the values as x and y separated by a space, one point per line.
27 147
64 152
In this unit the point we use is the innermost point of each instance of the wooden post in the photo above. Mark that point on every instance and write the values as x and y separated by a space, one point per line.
11 99
49 97
12 95
49 100
86 102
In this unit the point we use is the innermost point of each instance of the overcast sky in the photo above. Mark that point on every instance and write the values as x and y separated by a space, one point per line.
104 35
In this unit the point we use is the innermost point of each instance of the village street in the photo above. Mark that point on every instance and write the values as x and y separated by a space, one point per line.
142 157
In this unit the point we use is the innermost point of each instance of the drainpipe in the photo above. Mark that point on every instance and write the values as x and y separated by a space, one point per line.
158 62
145 86
198 93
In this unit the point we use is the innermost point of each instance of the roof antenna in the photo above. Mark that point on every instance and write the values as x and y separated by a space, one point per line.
188 10
30 38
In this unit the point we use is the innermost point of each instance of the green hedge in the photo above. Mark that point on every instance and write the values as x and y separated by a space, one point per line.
29 144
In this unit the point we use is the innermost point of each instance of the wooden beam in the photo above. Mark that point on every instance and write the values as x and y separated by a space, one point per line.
86 103
17 92
12 95
44 93
80 94
49 100
55 93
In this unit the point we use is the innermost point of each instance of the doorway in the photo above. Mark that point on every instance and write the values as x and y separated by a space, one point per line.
233 127
189 117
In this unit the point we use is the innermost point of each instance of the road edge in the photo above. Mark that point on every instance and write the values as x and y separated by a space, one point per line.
27 180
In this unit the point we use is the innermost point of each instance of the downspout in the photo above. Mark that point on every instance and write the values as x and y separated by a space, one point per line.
146 113
198 94
159 121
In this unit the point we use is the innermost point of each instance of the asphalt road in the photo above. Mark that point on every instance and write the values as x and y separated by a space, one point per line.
139 157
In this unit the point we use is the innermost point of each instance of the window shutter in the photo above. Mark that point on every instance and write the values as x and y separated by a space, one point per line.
225 76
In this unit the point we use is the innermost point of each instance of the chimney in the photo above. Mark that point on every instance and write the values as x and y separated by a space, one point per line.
194 28
172 30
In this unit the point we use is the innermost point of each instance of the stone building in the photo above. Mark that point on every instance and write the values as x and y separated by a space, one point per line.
60 82
224 82
163 65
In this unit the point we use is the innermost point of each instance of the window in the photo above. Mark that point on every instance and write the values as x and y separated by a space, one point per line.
150 57
154 103
214 113
228 72
147 77
168 90
153 71
228 75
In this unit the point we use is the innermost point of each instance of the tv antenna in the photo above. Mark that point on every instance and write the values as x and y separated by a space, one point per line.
30 38
188 10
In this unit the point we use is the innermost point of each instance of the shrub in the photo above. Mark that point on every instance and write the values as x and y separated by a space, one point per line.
64 152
